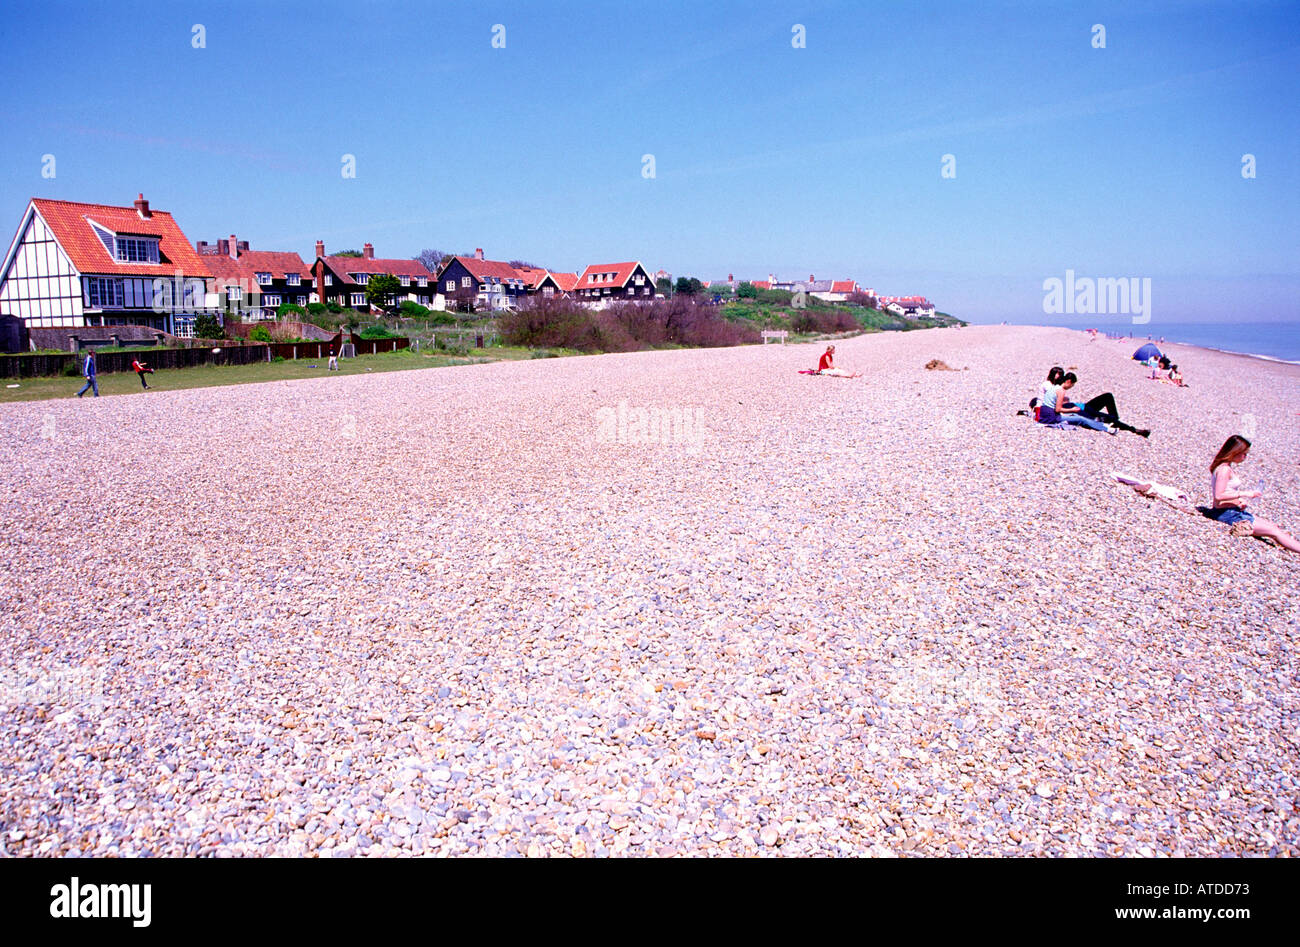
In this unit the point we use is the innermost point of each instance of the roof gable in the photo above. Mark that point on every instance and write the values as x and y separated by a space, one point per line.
600 275
70 222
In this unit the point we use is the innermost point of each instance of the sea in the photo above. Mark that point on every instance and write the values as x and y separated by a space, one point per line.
1278 341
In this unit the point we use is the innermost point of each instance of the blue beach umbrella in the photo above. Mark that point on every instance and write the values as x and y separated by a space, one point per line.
1147 351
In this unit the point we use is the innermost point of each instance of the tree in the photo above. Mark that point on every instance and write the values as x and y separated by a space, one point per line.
431 259
524 264
859 298
462 299
381 288
347 253
746 290
206 326
289 309
689 287
664 286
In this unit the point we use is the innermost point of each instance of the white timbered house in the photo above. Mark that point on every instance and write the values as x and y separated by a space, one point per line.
73 264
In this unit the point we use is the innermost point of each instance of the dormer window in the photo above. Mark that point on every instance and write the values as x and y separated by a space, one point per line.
136 250
293 279
404 280
263 279
360 278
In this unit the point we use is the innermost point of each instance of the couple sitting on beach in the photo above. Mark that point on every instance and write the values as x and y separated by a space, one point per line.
1100 413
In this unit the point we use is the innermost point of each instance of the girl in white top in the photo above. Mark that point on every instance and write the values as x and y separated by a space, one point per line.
1228 498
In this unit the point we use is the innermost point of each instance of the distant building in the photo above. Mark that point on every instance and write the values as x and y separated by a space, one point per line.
609 282
491 284
73 264
255 282
342 279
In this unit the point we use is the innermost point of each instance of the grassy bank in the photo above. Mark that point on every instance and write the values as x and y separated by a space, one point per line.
208 376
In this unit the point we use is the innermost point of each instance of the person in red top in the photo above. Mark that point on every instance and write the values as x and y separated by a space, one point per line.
141 369
826 365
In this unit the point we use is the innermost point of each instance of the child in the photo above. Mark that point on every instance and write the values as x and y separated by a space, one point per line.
334 361
141 369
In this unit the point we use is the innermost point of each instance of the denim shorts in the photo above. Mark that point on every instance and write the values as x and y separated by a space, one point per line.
1231 515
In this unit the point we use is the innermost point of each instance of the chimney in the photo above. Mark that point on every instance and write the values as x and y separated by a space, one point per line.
730 278
770 279
368 251
234 248
478 253
142 207
320 248
811 277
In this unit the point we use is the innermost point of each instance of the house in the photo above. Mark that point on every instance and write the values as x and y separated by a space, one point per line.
838 291
606 282
553 284
342 279
255 282
895 308
488 284
72 264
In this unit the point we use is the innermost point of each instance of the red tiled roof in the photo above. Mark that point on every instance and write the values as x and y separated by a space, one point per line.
70 222
761 284
531 275
252 262
566 281
622 273
343 265
843 285
484 270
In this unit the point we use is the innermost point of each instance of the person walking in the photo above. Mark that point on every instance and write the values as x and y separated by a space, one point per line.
88 371
334 360
141 369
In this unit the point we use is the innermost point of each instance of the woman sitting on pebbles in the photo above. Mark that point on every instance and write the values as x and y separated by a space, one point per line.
826 365
1227 498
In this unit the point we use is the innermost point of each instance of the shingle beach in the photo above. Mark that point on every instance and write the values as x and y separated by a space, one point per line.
473 611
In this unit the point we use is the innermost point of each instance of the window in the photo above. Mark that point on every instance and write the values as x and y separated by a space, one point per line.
360 278
631 291
465 281
234 293
271 300
293 279
547 291
104 292
329 279
404 280
263 279
137 250
358 299
302 300
422 280
640 280
646 291
451 285
424 300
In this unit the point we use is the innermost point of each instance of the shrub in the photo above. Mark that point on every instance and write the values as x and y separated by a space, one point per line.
259 334
413 310
442 318
287 310
377 332
206 326
317 309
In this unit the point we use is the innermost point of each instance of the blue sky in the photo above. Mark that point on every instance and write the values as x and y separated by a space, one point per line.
1123 161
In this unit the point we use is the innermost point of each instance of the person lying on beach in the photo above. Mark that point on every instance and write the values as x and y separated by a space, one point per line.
1100 413
826 365
1176 377
1228 497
